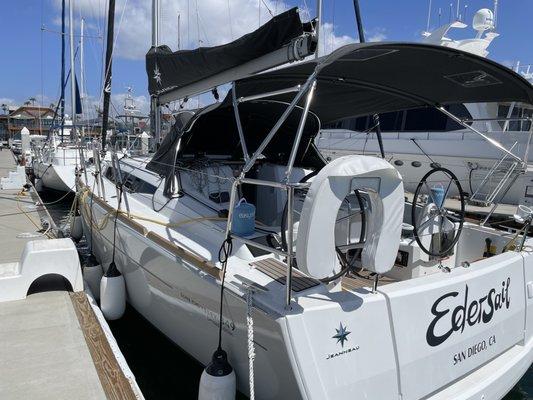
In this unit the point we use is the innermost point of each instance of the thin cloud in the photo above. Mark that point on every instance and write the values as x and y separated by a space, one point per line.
329 41
377 35
7 100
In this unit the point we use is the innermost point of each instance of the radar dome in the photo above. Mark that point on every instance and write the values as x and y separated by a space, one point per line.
483 20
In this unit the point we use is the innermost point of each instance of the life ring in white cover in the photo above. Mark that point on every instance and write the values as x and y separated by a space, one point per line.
315 249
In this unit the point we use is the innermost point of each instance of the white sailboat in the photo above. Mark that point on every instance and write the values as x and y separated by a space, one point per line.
416 140
56 162
333 287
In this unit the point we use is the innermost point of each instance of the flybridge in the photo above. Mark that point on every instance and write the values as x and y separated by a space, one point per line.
181 74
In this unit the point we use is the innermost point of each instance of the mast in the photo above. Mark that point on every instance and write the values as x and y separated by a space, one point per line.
108 68
155 109
359 22
82 72
72 69
62 98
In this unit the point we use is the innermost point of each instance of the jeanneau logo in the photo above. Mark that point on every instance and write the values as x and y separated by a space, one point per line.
342 337
449 319
342 334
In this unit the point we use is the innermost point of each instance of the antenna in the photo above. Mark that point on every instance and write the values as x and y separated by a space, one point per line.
465 13
451 13
429 16
317 28
440 14
179 31
495 13
457 10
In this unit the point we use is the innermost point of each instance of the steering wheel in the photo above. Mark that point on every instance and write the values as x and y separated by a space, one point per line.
431 219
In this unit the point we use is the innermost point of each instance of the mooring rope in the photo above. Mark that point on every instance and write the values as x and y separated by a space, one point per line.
251 347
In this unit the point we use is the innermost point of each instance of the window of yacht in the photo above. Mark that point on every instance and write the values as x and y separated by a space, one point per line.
415 120
517 111
132 183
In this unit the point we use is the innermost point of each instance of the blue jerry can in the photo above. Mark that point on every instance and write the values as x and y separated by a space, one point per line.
243 223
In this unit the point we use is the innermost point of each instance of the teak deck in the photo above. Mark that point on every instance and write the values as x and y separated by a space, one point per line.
364 280
114 383
278 271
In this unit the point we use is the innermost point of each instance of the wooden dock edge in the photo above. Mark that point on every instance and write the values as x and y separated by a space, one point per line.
114 382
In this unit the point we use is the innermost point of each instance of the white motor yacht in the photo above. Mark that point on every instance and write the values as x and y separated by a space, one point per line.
418 139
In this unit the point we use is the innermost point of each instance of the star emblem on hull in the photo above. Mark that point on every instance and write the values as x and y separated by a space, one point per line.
342 334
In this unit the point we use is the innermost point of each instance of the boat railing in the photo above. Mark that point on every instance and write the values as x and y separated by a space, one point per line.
487 190
307 89
287 253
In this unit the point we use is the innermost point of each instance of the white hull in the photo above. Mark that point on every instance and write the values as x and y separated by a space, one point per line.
57 177
56 167
296 356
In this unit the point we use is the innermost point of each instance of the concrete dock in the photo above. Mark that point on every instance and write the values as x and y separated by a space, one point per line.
20 217
54 344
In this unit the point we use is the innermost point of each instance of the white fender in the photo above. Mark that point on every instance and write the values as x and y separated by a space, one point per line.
218 380
315 251
38 184
113 297
217 387
76 228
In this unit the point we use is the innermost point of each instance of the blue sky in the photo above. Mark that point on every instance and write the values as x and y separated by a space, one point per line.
31 57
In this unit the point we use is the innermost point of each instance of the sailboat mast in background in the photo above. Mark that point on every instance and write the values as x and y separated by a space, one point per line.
72 70
155 120
62 98
108 69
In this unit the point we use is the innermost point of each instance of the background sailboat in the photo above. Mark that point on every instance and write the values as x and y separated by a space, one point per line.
56 162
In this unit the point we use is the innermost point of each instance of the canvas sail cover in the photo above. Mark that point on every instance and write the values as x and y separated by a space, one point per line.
168 70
